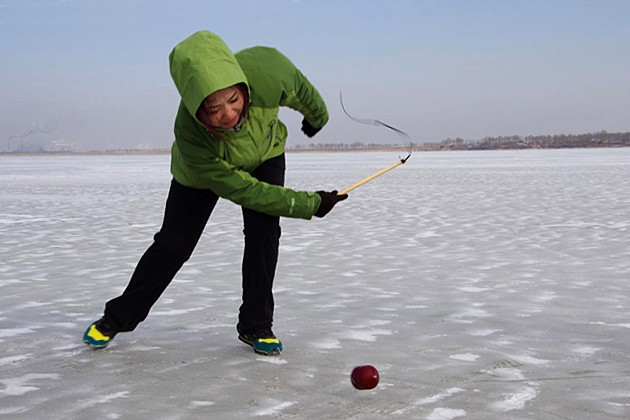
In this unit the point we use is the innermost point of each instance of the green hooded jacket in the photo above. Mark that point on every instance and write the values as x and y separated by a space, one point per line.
202 64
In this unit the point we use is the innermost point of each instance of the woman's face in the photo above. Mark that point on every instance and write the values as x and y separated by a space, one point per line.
223 108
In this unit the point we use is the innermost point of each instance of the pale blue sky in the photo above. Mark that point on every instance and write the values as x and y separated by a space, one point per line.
95 73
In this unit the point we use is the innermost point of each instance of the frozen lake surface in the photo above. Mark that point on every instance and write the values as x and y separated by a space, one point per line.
482 285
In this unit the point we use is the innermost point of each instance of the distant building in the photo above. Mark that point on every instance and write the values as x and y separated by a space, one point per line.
60 146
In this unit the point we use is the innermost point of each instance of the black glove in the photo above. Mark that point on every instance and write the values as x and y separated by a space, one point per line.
329 199
308 129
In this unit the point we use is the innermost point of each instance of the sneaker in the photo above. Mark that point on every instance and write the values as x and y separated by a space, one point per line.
99 334
263 342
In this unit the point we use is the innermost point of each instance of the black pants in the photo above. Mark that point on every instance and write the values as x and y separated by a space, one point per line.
187 212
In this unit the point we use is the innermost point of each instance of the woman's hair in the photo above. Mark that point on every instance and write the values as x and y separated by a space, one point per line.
244 91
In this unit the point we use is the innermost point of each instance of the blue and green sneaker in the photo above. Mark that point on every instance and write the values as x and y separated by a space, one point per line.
99 334
263 342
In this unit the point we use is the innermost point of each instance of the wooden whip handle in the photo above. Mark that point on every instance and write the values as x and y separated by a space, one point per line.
371 177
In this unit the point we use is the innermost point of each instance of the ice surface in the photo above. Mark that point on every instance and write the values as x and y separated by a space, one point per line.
482 285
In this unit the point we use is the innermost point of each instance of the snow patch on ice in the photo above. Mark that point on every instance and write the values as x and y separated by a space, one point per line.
586 350
24 384
473 289
530 360
272 360
109 398
139 347
14 359
14 332
176 311
465 357
546 296
517 400
612 325
468 316
68 325
446 414
427 234
326 344
505 373
291 248
349 274
196 404
378 322
438 397
484 332
366 335
275 409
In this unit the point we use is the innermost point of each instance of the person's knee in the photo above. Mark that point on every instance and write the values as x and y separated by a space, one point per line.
263 231
174 248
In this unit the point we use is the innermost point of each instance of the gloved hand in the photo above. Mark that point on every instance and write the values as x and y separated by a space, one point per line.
308 129
329 199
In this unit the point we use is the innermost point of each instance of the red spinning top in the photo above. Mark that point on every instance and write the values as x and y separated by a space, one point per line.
364 377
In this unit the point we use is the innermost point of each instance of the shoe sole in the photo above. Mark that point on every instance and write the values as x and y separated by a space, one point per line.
95 347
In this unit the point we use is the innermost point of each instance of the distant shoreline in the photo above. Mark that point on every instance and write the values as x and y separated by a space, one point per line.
133 152
91 153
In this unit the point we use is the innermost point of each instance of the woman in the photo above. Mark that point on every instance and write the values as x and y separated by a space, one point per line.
228 143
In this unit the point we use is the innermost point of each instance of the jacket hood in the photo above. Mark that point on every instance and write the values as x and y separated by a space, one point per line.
202 64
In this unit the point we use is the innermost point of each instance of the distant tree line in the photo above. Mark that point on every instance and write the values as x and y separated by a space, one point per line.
556 141
358 145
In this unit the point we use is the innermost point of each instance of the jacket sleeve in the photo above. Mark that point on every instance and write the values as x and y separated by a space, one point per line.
305 99
280 83
199 166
